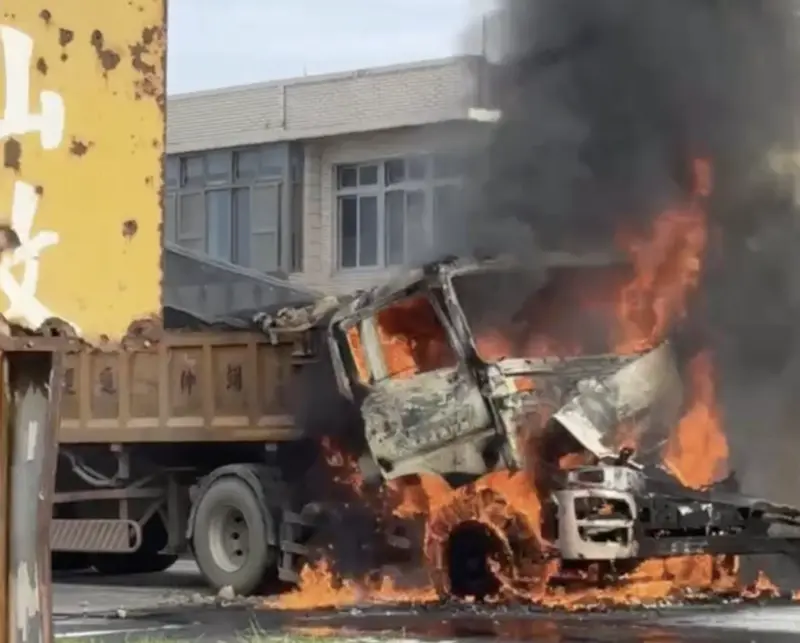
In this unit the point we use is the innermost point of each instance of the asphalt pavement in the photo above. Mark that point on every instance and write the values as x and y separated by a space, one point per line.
84 593
175 605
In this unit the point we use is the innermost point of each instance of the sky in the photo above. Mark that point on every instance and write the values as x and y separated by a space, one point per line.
217 43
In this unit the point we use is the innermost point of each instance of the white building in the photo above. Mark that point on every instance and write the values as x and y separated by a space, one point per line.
330 179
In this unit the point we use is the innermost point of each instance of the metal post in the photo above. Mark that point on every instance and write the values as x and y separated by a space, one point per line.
33 398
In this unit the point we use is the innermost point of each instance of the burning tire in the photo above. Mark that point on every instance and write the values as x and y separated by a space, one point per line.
479 546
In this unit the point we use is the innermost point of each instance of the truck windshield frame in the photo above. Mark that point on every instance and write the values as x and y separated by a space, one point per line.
361 354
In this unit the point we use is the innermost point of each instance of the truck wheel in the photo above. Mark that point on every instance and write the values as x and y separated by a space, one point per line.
230 537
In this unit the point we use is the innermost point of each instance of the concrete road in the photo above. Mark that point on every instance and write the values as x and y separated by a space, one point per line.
87 593
210 625
175 605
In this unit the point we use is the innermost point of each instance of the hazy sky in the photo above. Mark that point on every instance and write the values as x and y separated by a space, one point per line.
215 43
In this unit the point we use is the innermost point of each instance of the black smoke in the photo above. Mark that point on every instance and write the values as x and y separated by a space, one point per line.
606 103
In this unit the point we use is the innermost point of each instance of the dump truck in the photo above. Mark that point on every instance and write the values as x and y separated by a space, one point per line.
188 440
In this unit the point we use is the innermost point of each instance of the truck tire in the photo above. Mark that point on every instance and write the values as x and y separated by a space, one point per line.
230 537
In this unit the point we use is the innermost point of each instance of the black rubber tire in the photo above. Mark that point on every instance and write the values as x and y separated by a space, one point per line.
260 564
145 560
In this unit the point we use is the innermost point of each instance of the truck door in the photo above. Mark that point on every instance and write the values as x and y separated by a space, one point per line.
420 405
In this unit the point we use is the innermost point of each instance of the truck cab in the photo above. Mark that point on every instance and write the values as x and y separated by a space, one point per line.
421 358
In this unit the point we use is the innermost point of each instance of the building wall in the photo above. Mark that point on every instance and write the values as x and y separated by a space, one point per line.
282 217
322 253
325 105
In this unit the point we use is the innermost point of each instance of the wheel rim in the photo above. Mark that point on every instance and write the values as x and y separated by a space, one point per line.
229 538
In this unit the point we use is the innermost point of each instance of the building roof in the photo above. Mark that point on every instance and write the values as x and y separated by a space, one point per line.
325 105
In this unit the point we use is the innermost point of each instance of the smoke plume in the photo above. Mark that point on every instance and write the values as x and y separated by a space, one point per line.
606 104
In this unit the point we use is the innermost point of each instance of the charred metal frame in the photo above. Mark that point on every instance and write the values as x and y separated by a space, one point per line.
619 512
495 380
124 532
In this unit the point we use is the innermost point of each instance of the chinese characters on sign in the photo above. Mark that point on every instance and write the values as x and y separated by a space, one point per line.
17 120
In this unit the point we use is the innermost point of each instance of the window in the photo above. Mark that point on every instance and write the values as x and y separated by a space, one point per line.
192 170
405 224
220 224
170 218
191 222
297 227
241 213
228 204
354 176
247 164
172 172
218 167
358 220
265 227
411 340
392 212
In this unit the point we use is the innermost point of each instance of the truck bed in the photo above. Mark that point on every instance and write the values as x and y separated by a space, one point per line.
206 386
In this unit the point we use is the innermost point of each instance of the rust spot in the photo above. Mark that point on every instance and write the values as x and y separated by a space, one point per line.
64 57
148 180
137 52
109 59
149 34
41 66
65 36
45 15
151 83
130 228
78 148
12 153
39 190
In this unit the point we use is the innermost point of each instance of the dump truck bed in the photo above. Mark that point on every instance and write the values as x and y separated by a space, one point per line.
205 386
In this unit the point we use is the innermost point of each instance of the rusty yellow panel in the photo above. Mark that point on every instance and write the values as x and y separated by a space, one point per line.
82 137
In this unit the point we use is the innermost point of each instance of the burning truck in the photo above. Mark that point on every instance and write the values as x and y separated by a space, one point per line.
546 449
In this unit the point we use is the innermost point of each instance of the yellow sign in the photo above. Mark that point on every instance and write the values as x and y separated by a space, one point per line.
82 144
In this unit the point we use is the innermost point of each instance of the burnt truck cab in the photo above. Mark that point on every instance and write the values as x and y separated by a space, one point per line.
408 355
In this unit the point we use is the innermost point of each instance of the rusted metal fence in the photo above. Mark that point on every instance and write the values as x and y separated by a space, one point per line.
31 390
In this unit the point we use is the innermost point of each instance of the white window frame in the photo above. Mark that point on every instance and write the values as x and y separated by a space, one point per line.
380 190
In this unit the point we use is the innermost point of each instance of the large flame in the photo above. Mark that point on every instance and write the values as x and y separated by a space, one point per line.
667 264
